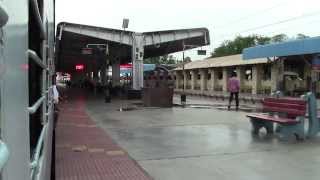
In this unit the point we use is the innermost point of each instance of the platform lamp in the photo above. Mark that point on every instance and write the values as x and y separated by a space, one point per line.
125 23
183 96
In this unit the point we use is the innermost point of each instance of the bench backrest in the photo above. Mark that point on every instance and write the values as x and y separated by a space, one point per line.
292 107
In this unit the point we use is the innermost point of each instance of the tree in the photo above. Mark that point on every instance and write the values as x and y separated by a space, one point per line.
152 60
166 59
187 59
301 36
238 44
279 38
262 40
232 47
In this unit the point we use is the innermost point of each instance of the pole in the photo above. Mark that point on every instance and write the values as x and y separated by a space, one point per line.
183 69
183 96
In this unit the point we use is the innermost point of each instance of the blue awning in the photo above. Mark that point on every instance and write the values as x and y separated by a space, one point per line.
290 48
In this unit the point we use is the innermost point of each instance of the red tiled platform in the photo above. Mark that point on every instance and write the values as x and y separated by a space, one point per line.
85 152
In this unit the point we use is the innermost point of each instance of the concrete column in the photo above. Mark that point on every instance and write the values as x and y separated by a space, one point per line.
116 73
204 78
137 61
213 79
225 79
277 69
178 79
256 78
241 76
194 78
185 79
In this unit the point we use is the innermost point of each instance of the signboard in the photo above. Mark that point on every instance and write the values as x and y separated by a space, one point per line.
79 67
202 52
125 66
125 23
86 51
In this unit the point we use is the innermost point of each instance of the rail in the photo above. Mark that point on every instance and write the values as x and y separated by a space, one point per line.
4 154
36 11
33 55
36 105
36 157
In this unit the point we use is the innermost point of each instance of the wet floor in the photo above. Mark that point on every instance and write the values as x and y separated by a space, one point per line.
203 143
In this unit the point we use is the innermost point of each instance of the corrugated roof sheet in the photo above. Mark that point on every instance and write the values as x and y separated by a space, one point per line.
226 61
290 48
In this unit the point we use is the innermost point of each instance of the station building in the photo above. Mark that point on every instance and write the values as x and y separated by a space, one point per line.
259 76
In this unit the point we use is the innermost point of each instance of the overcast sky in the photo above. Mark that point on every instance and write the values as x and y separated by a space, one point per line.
225 19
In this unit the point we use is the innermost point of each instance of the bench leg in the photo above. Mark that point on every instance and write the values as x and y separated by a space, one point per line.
287 131
258 124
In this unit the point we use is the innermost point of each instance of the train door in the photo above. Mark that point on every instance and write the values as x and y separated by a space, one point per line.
26 96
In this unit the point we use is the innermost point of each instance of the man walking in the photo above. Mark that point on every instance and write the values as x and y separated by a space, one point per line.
233 88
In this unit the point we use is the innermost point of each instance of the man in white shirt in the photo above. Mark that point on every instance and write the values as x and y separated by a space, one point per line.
55 102
55 94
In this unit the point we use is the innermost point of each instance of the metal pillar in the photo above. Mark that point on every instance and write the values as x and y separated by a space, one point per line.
95 81
103 75
137 61
116 73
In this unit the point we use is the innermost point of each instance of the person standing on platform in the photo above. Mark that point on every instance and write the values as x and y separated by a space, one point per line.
234 88
56 98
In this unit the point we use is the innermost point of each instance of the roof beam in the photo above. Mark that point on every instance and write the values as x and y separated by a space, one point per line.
118 36
156 38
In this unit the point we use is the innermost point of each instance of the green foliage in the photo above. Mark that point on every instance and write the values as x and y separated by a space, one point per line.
232 47
301 36
166 59
187 59
238 44
279 38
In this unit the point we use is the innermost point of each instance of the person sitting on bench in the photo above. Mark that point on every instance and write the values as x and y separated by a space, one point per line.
234 88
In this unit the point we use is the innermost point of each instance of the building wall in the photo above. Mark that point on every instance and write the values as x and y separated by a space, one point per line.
216 84
260 83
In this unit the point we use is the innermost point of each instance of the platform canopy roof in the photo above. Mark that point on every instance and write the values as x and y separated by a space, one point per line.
291 48
72 38
225 61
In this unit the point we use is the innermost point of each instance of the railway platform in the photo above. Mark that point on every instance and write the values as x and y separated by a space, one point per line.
85 152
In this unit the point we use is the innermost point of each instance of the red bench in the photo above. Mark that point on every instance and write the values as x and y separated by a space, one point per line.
288 113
